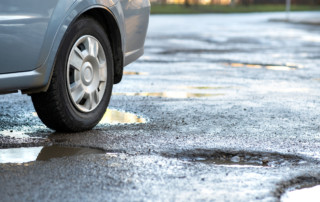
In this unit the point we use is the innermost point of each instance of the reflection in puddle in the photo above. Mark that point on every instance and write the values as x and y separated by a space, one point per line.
305 194
19 155
28 154
286 67
171 94
135 73
113 116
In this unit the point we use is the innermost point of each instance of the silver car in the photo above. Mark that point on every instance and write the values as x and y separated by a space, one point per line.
67 54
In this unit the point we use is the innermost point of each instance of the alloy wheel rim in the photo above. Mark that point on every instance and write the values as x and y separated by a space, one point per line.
86 73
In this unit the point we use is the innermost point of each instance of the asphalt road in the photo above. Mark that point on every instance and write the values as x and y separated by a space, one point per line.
232 109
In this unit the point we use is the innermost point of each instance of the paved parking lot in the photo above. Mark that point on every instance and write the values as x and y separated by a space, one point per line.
220 107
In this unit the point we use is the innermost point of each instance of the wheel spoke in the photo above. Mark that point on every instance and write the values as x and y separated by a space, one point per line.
78 52
78 97
93 47
88 104
103 72
76 58
96 95
77 92
75 86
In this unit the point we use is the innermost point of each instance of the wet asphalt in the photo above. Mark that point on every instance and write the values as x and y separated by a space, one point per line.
232 109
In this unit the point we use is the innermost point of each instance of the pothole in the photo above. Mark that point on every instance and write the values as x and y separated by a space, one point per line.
238 159
135 73
29 154
113 116
198 51
286 67
207 87
172 94
310 194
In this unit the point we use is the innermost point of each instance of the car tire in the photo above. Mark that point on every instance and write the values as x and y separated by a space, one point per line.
82 80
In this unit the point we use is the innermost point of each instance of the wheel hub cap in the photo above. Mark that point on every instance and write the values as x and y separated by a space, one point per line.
86 73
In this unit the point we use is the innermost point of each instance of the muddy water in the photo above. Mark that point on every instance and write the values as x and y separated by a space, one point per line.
135 73
29 154
207 87
113 116
287 67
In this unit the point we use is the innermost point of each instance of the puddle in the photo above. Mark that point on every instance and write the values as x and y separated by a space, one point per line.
29 154
207 87
309 194
171 94
113 116
237 159
198 51
287 67
135 73
19 155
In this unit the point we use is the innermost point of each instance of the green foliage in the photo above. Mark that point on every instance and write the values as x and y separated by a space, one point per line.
196 9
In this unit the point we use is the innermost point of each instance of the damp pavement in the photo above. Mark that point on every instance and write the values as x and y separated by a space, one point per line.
222 107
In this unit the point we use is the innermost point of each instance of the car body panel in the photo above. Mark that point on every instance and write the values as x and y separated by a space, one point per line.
33 70
23 26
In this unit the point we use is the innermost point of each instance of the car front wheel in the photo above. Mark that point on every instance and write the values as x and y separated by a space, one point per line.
82 80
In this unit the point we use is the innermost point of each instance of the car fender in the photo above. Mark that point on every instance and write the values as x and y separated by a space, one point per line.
65 13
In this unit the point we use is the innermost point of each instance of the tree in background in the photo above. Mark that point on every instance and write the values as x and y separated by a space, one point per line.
163 2
232 2
186 3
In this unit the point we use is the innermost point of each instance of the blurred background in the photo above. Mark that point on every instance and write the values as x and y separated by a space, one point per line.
229 6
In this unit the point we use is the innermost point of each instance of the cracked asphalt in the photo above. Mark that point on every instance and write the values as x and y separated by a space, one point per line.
218 91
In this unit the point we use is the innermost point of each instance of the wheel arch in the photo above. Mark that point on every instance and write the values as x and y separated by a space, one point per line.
110 25
111 14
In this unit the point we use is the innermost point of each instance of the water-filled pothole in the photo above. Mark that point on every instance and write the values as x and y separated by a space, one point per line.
286 67
310 194
237 159
207 87
135 73
173 94
29 154
113 116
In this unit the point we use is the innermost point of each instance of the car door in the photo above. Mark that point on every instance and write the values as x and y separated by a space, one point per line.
23 25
